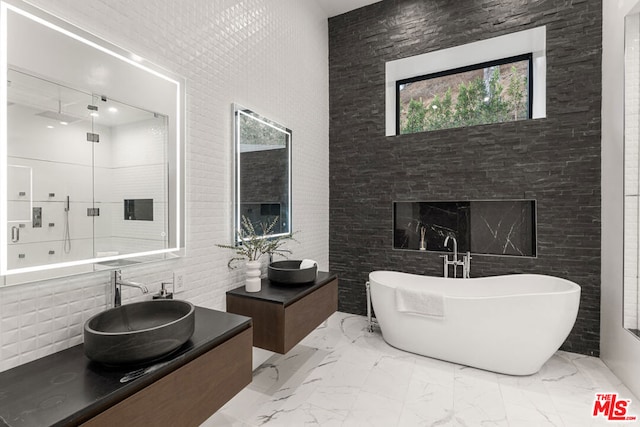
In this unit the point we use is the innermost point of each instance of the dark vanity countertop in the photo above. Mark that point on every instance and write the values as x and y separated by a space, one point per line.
284 294
66 388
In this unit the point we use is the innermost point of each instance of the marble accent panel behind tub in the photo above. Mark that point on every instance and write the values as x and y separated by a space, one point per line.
493 227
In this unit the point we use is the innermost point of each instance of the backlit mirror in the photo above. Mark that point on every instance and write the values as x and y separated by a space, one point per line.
631 307
90 151
262 171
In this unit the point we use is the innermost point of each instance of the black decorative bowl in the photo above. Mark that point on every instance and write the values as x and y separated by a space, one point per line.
289 272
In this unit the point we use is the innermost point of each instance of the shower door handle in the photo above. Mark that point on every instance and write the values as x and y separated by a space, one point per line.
15 234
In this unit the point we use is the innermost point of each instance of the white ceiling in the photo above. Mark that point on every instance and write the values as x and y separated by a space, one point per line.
338 7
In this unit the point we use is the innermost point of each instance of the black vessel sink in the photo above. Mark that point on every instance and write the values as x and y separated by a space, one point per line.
138 332
289 272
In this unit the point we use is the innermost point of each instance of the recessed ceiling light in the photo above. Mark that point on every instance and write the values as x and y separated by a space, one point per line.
94 114
113 110
64 123
49 127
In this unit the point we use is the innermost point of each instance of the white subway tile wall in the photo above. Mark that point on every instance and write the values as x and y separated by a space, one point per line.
268 56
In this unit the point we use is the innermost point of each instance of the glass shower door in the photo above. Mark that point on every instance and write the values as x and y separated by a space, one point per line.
131 181
631 317
49 173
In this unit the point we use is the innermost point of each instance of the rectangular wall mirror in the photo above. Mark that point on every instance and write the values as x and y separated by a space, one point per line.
262 171
84 127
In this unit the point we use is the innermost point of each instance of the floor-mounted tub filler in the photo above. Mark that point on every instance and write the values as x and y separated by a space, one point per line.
508 324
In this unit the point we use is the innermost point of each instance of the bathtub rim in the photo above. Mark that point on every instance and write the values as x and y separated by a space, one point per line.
572 286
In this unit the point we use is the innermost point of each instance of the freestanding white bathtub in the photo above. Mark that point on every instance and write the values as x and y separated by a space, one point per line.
508 324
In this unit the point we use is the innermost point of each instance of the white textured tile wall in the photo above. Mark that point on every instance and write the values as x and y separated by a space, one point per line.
631 186
270 56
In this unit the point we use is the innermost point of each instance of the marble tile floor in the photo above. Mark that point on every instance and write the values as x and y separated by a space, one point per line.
342 375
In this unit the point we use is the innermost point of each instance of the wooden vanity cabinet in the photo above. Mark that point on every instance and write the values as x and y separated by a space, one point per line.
283 315
190 394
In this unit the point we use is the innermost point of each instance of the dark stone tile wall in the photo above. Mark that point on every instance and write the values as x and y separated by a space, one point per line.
265 176
555 160
265 180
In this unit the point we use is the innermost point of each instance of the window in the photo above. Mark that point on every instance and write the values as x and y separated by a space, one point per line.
491 92
497 52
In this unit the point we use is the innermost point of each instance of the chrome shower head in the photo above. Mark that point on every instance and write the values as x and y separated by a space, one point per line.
59 117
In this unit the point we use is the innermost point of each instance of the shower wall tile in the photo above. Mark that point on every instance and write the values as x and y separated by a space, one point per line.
119 174
271 57
555 161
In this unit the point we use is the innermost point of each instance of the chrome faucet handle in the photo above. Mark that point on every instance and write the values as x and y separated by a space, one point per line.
445 268
466 265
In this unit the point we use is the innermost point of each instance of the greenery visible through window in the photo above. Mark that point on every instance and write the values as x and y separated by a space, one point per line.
499 91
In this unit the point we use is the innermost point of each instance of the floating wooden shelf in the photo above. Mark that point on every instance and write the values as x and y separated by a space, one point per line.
284 314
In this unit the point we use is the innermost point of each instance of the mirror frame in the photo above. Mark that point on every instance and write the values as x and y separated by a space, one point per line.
123 63
237 199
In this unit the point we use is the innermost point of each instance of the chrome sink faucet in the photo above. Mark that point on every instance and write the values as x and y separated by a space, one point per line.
465 263
117 282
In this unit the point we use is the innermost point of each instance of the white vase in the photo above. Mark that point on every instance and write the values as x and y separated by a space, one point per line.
253 282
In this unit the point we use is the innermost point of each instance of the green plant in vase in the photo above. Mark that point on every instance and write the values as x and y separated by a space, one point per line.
252 245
